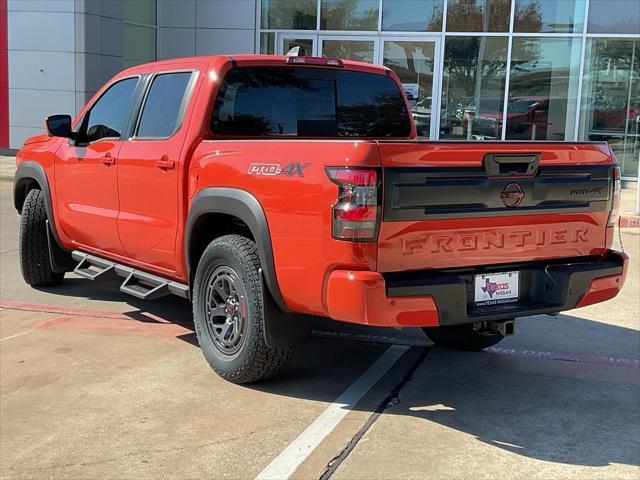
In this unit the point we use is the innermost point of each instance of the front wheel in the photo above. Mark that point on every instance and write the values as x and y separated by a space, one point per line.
228 313
35 260
469 336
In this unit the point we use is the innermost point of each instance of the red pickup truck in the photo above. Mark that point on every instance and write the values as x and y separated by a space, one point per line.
271 189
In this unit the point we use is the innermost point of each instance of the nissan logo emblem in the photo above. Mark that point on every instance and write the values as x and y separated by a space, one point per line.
512 195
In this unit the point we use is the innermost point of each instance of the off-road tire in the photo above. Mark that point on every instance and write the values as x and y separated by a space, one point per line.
462 337
255 360
35 262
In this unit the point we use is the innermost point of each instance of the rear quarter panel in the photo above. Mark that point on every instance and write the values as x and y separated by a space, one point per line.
297 206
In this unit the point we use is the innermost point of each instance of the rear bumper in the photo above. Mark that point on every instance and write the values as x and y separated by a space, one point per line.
444 297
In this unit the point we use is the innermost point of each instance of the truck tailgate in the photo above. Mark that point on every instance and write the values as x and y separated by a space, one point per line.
462 204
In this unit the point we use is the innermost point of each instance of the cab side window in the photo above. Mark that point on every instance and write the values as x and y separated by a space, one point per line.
161 114
107 117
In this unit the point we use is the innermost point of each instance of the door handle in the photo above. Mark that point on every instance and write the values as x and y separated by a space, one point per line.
108 159
165 164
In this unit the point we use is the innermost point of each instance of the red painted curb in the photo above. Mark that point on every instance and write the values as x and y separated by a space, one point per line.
117 326
82 312
630 221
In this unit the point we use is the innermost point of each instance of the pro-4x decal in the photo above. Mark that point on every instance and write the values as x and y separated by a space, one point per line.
271 169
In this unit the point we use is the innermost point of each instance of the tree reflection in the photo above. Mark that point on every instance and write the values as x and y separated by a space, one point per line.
475 67
382 115
289 14
349 15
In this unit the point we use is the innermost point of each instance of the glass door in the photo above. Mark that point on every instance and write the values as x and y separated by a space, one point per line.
415 63
287 41
348 47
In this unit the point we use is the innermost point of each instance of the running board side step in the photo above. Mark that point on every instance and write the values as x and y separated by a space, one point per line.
143 285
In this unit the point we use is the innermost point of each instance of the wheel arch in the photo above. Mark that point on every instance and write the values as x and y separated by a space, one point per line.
237 204
30 175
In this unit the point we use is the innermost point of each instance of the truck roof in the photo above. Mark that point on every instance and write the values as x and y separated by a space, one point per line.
247 60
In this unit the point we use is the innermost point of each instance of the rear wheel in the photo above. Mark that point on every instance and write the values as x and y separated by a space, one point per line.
35 261
228 301
470 336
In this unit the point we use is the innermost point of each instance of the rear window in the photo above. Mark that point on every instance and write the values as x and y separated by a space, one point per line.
309 102
161 111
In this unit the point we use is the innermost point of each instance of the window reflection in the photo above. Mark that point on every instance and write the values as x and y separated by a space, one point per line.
473 88
543 88
349 14
564 16
611 98
478 15
413 63
305 102
357 50
305 44
412 15
614 16
289 14
268 43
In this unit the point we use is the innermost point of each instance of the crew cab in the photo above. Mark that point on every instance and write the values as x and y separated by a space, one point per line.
271 189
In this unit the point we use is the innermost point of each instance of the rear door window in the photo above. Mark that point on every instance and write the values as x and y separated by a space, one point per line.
164 106
309 102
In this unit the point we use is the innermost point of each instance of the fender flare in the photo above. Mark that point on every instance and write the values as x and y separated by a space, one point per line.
26 173
243 205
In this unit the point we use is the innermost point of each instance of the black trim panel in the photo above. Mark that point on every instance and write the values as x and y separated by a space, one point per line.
426 193
545 287
241 204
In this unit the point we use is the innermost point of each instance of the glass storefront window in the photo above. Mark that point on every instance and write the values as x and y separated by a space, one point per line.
358 50
473 88
413 62
140 11
412 15
267 43
139 45
289 14
543 88
349 15
564 16
611 98
305 44
614 16
478 15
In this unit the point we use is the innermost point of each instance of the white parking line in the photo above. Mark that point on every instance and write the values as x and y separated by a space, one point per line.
285 464
14 336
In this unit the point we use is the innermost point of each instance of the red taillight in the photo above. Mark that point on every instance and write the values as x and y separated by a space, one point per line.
320 61
356 214
615 196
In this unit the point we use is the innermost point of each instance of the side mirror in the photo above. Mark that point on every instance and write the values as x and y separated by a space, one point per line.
59 126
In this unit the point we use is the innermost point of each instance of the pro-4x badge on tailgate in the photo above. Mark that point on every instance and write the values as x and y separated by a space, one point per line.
271 169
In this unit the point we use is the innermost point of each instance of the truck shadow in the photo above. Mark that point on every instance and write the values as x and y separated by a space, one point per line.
565 389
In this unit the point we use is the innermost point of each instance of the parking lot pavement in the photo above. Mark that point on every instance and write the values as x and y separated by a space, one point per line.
94 384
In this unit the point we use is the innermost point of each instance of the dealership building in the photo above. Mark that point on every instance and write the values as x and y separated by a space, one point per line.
479 70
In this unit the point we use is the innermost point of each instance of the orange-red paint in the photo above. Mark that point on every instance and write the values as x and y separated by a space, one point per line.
605 288
135 213
360 297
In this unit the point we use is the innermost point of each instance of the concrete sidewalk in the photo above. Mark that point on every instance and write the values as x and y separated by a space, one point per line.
7 167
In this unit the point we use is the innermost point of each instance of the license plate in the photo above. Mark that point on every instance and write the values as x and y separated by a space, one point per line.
495 288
